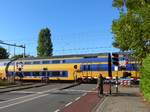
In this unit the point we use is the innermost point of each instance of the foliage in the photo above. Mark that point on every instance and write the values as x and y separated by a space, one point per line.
132 33
20 56
145 78
45 47
3 53
132 29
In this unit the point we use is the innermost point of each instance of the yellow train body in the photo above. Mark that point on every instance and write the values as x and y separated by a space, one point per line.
62 68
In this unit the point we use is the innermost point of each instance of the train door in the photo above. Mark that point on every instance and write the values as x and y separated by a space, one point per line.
45 76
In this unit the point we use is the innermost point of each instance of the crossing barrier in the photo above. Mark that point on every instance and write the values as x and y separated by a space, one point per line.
125 82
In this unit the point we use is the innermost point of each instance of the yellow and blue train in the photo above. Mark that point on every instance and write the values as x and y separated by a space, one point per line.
65 67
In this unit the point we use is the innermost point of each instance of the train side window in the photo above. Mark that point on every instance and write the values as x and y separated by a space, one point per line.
49 74
63 61
27 73
36 73
64 74
55 61
55 73
45 62
27 63
102 67
89 67
12 63
10 73
36 62
84 67
44 73
5 64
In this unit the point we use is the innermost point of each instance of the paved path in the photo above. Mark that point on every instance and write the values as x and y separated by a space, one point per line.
87 102
127 100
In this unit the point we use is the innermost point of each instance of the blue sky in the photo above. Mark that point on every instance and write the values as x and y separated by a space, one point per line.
77 26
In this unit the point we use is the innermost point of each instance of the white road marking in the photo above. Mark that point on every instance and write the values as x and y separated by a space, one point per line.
29 95
57 110
84 94
17 98
79 90
68 104
94 88
77 98
24 92
23 101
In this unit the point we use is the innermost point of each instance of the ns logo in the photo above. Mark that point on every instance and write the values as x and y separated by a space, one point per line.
19 66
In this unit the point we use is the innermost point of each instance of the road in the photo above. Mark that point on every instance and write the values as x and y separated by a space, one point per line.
42 99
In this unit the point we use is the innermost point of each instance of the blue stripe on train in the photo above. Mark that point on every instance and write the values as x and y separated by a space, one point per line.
94 67
41 73
86 60
104 67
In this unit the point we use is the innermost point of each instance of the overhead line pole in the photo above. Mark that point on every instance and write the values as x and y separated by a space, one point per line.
21 46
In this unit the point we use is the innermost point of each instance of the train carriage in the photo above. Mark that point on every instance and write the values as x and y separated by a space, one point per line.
67 67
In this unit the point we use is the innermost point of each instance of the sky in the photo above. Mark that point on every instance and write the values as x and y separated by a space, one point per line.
77 26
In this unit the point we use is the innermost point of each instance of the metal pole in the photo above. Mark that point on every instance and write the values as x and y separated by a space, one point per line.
24 51
14 50
110 85
117 83
46 78
109 71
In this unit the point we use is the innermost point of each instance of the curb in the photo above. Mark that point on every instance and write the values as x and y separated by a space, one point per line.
101 105
96 108
21 88
11 86
73 85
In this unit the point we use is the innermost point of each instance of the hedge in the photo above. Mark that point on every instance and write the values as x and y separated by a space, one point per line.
145 78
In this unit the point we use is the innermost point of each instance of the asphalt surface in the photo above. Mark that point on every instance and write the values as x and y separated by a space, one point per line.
42 99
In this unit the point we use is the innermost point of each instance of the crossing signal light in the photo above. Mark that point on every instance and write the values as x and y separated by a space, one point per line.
115 59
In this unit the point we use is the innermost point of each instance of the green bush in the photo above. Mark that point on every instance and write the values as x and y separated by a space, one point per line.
145 78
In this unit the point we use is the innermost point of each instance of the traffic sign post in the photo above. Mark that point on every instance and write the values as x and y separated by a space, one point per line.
115 59
75 72
46 75
19 66
116 84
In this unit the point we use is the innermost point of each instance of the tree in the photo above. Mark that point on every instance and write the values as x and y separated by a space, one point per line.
45 47
3 53
131 31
